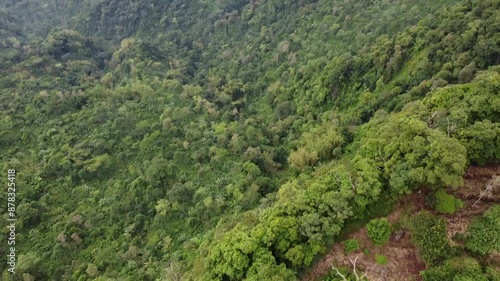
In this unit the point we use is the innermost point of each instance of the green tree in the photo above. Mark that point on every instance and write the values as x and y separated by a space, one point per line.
232 256
428 233
411 154
484 232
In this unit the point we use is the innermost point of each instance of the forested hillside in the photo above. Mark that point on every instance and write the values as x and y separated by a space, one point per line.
238 140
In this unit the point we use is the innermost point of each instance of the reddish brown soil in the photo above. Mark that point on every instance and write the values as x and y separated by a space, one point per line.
404 263
475 182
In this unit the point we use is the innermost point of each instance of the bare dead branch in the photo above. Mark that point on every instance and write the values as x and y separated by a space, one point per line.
451 127
340 274
354 271
352 183
489 187
431 118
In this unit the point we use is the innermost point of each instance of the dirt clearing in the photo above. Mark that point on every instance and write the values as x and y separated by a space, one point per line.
403 261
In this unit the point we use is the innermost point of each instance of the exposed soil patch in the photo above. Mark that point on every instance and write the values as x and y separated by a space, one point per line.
476 180
494 260
403 260
404 263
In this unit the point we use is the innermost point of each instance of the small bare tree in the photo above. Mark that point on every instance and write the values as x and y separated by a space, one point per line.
430 121
354 271
173 271
494 182
451 127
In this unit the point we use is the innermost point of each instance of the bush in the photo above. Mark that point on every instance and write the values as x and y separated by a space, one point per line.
484 232
351 245
380 259
428 233
459 237
460 269
493 273
447 203
379 231
366 251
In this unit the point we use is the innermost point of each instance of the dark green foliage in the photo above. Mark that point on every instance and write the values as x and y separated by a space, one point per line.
484 232
459 237
366 251
428 233
351 245
11 40
379 231
456 269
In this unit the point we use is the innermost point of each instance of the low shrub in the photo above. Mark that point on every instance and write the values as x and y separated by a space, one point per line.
460 269
351 245
428 233
380 259
379 231
447 203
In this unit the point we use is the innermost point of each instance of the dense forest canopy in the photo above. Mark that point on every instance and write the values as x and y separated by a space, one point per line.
235 139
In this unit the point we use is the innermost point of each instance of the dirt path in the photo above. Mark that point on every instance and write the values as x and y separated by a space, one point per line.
404 263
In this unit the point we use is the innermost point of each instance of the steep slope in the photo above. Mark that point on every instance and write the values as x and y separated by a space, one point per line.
233 140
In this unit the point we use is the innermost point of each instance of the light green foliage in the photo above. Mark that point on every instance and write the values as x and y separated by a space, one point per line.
493 273
29 263
251 168
428 233
484 232
367 184
269 271
412 154
231 257
100 162
316 144
446 203
302 158
322 140
163 207
379 231
300 222
380 259
351 245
